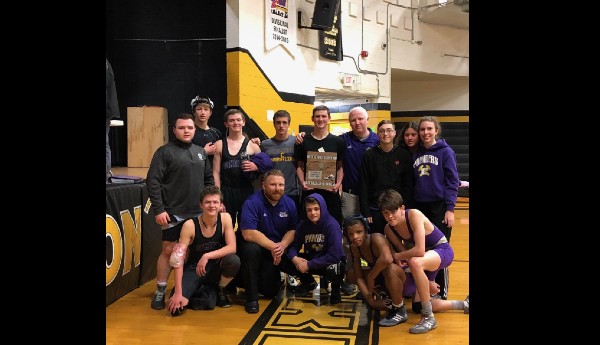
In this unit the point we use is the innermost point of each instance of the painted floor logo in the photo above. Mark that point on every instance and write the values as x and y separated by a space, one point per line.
306 320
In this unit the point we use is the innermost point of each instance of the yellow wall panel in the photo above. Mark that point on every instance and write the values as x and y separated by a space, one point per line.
248 88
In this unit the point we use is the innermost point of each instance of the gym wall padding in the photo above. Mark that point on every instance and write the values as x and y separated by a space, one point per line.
133 239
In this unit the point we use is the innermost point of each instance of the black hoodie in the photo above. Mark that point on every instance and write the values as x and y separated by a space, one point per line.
381 170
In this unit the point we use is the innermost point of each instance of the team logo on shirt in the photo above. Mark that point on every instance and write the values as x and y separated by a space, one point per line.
283 214
200 156
281 157
317 247
424 170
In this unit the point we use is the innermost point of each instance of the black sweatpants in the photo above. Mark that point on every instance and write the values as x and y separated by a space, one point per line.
259 274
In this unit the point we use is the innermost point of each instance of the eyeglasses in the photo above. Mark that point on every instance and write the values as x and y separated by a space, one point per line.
386 130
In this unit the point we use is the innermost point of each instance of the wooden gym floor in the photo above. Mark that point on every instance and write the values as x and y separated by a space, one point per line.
288 320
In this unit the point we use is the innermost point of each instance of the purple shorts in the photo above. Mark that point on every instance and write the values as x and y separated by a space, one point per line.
445 252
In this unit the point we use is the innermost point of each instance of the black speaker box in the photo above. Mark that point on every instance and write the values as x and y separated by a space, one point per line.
323 14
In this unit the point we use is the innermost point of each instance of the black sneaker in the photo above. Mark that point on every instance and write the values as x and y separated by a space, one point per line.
395 316
252 307
303 291
158 301
222 300
335 297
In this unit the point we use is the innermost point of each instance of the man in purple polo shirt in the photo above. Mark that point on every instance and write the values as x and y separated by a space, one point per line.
358 141
268 224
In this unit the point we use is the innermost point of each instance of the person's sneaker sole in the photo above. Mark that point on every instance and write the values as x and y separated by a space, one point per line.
391 322
224 305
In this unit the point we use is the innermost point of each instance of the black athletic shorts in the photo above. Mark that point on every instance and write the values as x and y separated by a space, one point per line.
172 234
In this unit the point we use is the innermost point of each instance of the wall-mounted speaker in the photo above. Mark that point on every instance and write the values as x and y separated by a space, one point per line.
324 13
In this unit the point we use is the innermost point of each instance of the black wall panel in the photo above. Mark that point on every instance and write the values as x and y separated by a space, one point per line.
164 53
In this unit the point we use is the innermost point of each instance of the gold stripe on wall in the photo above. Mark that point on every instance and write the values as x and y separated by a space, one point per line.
374 117
440 118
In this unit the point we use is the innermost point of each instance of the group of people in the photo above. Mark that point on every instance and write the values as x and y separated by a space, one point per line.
389 203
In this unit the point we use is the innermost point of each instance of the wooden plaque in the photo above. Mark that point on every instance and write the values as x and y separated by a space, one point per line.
320 169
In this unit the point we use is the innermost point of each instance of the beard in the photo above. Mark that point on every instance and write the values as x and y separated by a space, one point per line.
273 196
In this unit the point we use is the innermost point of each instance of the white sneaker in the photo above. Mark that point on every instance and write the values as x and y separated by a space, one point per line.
426 324
292 281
